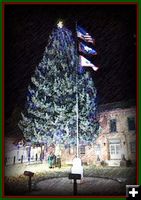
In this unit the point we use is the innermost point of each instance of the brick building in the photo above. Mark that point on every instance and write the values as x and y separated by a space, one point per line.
117 137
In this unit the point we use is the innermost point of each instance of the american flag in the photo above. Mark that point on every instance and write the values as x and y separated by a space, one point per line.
84 35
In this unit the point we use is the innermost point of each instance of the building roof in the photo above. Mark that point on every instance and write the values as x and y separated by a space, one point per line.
116 105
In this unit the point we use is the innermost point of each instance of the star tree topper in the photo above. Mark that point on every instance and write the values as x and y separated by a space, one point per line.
60 24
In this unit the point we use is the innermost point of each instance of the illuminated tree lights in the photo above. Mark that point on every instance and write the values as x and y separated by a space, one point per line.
50 111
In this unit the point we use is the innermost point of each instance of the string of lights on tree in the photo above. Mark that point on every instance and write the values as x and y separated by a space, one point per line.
50 111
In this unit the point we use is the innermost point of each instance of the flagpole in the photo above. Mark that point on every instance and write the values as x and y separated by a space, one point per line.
77 127
77 112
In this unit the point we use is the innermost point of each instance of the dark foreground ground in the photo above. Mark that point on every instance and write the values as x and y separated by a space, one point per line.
97 181
90 186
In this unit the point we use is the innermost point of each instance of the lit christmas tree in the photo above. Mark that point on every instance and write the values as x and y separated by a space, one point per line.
51 106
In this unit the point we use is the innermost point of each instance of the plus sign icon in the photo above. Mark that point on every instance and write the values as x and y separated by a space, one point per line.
133 192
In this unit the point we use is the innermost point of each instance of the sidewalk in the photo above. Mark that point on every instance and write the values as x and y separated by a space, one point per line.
89 186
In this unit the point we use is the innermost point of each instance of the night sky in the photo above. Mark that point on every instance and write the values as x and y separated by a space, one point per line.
27 28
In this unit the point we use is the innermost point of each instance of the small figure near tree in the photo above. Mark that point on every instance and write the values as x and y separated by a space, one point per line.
51 160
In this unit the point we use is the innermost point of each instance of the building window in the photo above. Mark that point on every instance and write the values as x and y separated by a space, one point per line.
82 149
133 147
115 151
98 148
113 126
131 123
98 151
